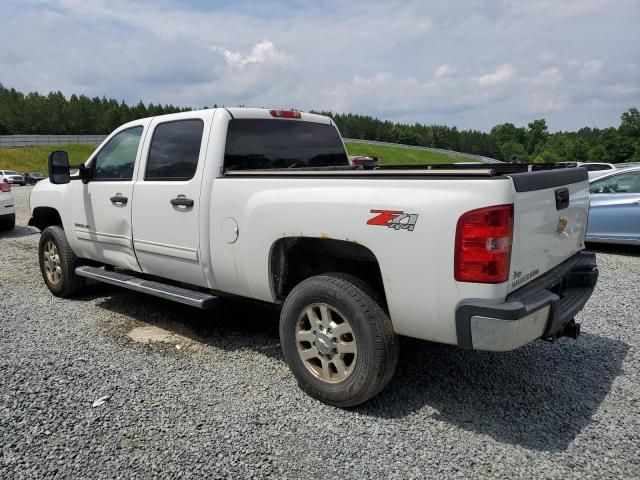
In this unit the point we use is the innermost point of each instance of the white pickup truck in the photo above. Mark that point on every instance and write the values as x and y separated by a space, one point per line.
263 204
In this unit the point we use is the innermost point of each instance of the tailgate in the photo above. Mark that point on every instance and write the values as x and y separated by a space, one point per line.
550 220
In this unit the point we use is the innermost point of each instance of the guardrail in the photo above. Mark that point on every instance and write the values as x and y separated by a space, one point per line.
36 140
451 153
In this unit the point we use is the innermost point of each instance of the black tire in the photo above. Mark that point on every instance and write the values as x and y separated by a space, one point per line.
352 300
7 222
68 283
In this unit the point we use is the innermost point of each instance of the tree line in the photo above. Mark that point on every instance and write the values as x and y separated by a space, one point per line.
506 141
54 113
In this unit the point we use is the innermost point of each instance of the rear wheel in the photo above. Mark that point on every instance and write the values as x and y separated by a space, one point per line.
7 222
58 263
337 340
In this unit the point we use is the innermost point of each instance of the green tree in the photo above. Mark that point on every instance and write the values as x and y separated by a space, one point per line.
630 123
547 156
513 151
537 135
597 153
578 151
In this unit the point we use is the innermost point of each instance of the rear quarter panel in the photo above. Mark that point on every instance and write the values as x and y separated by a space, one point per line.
416 266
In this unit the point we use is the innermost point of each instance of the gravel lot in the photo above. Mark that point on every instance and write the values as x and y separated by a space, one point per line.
225 405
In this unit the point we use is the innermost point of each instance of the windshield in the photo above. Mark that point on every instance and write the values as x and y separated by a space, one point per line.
261 144
10 172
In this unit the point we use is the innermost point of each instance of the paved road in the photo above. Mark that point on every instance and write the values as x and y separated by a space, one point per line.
223 404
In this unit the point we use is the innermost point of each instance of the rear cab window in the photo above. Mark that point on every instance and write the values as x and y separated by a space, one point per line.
269 144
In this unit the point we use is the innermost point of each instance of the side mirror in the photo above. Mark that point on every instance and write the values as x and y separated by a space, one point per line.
59 167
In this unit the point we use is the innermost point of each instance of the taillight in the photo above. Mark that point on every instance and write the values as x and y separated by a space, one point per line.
5 187
285 113
483 245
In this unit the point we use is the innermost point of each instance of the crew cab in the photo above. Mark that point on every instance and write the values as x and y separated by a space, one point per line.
264 204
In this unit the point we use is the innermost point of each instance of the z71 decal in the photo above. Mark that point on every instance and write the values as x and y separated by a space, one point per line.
396 219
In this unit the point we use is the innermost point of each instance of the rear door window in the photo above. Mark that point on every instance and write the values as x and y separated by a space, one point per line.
175 149
265 143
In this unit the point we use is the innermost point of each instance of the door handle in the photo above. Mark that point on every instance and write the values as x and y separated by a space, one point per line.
182 202
119 199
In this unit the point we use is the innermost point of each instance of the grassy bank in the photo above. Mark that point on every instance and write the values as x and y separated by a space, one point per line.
400 155
34 159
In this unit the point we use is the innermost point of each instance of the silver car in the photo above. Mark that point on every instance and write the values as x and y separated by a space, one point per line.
614 212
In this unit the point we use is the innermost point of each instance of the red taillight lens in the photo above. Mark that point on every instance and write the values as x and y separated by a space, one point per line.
5 187
483 245
285 113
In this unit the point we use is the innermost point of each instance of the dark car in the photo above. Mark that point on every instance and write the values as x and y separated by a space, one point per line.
363 160
31 178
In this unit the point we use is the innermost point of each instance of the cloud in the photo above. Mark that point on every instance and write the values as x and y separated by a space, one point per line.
549 78
472 63
591 68
263 53
444 70
503 74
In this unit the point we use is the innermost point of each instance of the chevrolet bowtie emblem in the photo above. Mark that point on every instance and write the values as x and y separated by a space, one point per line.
562 225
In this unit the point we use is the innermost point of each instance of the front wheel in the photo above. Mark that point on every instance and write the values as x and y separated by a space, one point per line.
58 263
337 340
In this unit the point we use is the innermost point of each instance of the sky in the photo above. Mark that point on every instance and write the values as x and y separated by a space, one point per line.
465 63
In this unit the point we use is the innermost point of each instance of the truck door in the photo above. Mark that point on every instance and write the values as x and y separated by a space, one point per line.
166 227
101 209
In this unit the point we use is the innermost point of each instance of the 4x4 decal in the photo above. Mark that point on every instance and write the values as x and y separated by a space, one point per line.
396 219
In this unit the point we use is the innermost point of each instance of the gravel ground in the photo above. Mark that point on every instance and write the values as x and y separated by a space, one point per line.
225 405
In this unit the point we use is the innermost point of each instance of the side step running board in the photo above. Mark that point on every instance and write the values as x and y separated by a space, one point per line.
169 292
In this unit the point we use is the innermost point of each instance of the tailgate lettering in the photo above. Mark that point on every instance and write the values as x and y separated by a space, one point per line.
519 278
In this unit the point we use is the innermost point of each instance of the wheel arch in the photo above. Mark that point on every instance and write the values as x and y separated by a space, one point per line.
294 259
44 217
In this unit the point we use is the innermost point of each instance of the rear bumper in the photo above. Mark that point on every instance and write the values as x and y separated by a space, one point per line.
540 309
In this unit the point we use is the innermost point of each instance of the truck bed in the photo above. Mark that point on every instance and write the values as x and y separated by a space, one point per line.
525 176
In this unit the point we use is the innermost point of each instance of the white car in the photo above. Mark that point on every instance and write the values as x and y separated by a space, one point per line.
264 204
7 207
11 176
595 169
